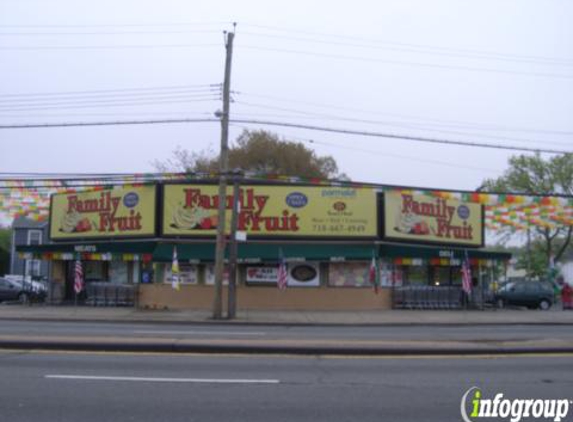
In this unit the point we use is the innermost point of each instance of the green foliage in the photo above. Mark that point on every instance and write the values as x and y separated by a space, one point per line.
536 264
258 151
5 238
5 246
531 174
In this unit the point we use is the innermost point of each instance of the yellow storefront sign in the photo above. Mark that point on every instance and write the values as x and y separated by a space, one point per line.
118 212
278 211
411 217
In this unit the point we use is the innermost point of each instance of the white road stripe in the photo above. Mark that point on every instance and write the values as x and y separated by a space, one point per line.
208 333
174 380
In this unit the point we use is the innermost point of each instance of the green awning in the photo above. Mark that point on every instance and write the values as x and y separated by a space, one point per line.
308 252
186 252
428 252
259 252
146 247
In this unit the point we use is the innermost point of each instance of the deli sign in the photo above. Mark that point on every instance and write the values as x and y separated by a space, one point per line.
118 212
422 218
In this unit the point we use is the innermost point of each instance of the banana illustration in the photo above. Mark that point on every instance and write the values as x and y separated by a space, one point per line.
70 221
185 218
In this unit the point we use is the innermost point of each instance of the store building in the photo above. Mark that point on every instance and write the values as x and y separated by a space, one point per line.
328 236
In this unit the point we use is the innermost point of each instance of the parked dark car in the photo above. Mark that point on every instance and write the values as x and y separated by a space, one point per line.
11 290
533 294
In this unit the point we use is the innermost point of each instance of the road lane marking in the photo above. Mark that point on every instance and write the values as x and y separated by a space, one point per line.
172 380
209 333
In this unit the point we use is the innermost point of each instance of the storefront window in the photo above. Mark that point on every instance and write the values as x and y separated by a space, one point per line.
416 275
398 275
440 276
210 275
188 274
457 276
118 272
262 275
95 271
136 274
349 274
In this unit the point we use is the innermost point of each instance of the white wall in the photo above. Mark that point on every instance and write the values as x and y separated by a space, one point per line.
567 272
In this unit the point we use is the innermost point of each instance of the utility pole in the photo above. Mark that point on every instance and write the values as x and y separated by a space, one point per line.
233 253
528 251
223 168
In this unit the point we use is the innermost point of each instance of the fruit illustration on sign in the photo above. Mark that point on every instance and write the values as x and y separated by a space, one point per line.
83 225
420 228
410 223
193 218
72 222
209 223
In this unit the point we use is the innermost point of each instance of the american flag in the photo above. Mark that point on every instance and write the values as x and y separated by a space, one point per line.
78 277
466 275
282 276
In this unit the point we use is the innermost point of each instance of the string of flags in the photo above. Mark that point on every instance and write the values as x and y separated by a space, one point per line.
73 256
31 198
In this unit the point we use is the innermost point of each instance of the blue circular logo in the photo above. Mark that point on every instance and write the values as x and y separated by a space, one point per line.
130 200
463 212
296 200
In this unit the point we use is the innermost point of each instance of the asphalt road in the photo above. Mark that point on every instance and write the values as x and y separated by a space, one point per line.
88 387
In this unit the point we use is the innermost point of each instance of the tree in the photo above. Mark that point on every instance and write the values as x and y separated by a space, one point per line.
535 176
5 246
258 151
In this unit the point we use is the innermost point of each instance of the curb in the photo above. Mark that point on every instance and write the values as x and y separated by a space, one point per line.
289 323
270 350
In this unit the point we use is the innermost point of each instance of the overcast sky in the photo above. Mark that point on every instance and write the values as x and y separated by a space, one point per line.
488 71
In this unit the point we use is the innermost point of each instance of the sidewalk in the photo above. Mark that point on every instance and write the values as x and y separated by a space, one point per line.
226 344
555 316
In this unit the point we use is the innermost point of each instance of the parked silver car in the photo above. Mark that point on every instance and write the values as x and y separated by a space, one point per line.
11 290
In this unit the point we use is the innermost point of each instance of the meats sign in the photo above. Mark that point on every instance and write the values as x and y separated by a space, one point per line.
118 212
422 218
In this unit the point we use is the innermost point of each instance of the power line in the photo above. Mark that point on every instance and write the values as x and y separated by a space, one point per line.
106 123
384 154
406 125
15 104
425 50
441 122
102 96
404 137
115 113
292 125
10 34
105 47
114 90
432 127
116 104
176 89
415 64
119 25
401 44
